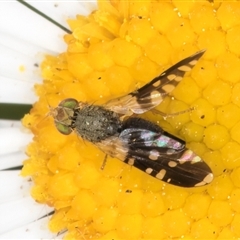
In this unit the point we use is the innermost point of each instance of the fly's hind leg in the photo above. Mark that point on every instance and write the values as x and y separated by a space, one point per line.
104 162
166 115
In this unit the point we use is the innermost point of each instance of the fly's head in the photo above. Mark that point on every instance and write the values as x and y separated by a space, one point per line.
63 115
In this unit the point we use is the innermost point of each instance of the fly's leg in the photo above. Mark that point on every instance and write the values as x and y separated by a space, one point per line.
166 115
104 162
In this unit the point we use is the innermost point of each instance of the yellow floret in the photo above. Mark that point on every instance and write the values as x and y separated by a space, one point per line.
235 177
152 205
140 31
170 195
236 94
204 113
233 39
187 91
83 205
129 202
140 8
229 14
231 155
226 233
106 191
228 115
235 132
218 93
129 226
162 55
79 65
105 219
100 51
235 225
62 186
192 132
204 73
162 15
176 223
221 187
234 200
203 18
114 51
220 213
118 50
208 39
143 68
153 228
216 136
197 205
217 166
204 229
181 33
227 66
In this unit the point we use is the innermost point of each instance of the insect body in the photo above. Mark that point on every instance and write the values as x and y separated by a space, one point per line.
136 141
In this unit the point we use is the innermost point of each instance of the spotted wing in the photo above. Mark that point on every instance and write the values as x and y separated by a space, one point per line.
160 155
165 157
152 94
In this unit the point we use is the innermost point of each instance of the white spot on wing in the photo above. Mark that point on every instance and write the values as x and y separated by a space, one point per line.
157 83
184 68
193 62
172 164
131 161
205 181
171 77
168 88
161 174
196 159
178 78
149 170
154 155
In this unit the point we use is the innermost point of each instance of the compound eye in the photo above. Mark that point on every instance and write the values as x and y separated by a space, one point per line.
69 103
63 128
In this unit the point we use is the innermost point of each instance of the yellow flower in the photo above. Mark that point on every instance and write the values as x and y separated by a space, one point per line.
119 47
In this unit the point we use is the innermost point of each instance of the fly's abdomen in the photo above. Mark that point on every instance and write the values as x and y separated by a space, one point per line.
95 123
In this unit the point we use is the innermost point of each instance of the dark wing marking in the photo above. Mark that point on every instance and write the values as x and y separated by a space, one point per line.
152 94
183 169
160 155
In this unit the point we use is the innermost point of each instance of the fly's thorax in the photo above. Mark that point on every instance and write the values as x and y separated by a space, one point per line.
96 123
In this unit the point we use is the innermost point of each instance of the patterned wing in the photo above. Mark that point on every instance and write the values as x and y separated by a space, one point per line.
152 94
158 154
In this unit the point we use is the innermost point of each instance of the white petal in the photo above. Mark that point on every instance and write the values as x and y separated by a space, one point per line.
35 230
32 27
23 43
10 123
20 216
16 91
14 187
17 85
60 11
17 20
11 160
13 140
20 212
